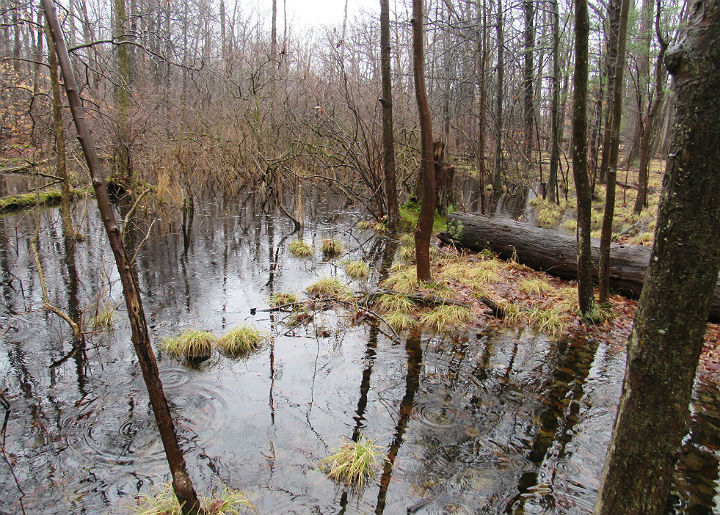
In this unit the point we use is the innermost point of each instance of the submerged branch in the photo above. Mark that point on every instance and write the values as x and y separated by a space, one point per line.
77 331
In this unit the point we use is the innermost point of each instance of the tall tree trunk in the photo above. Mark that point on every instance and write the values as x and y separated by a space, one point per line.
427 209
182 484
611 42
123 165
528 82
612 158
482 60
579 158
555 106
273 33
667 337
650 123
497 166
61 159
387 107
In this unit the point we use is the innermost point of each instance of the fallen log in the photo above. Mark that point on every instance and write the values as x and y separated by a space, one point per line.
553 252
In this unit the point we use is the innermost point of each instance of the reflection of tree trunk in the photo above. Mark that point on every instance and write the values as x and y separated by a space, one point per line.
182 485
566 389
412 384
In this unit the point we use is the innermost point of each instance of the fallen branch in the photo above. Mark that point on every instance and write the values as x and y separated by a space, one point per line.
5 404
77 332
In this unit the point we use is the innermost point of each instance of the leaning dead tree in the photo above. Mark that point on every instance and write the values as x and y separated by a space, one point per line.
182 485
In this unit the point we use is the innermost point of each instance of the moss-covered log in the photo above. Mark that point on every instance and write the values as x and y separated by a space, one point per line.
553 252
43 198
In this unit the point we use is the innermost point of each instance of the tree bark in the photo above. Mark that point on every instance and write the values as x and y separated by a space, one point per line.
387 107
123 165
667 337
612 158
182 485
611 42
649 125
481 64
61 162
427 208
497 167
579 158
528 81
555 106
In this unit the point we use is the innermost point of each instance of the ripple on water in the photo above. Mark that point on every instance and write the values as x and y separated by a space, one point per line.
437 415
174 377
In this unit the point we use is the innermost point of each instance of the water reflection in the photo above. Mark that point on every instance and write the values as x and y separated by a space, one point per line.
491 422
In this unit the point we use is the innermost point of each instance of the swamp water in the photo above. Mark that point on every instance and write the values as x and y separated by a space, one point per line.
491 422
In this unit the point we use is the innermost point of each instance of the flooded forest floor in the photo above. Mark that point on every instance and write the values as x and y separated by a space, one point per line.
475 413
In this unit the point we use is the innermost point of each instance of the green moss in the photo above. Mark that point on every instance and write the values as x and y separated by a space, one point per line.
43 198
300 249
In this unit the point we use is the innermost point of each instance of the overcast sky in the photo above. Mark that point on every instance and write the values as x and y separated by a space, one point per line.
310 13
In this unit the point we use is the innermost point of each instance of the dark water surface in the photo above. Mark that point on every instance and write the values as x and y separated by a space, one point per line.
490 422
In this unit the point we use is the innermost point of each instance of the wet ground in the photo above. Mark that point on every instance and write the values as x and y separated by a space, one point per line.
488 422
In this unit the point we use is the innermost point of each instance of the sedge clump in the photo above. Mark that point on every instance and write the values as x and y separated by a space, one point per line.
331 247
357 270
190 344
353 463
162 501
329 287
241 340
300 249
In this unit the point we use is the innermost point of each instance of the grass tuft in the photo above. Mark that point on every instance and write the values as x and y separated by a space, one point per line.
447 318
282 298
364 225
329 287
549 321
389 303
331 247
400 321
241 340
357 269
353 463
535 286
162 501
404 280
300 249
190 344
103 319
